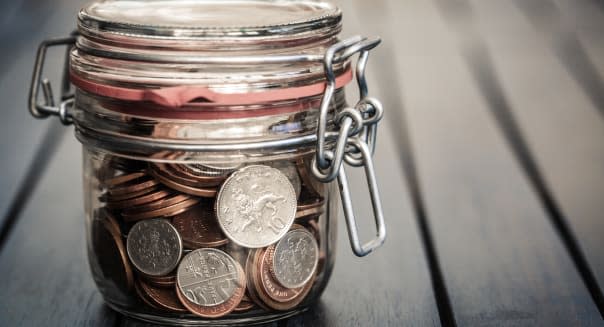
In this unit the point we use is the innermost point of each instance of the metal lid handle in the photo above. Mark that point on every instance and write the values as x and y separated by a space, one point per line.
46 108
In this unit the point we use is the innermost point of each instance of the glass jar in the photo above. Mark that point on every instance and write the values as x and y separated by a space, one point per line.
214 135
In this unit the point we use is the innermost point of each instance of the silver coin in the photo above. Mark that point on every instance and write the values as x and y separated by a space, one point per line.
212 169
295 258
154 247
256 206
207 277
291 172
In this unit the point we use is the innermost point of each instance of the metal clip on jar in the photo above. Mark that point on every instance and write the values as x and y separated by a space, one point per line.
214 133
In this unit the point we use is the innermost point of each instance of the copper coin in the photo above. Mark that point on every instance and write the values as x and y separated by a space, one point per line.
306 203
198 227
225 307
107 197
272 293
202 179
245 305
250 273
309 213
272 287
169 171
311 184
161 281
153 195
168 211
135 186
144 297
113 182
108 245
164 298
159 204
110 221
197 191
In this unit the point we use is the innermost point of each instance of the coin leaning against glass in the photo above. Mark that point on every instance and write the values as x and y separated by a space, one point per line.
154 247
295 258
256 206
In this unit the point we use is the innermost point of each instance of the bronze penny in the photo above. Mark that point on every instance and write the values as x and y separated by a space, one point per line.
312 185
135 186
250 272
168 171
310 203
108 245
159 204
144 297
115 181
107 197
168 211
272 293
164 298
245 305
202 180
197 191
309 213
217 311
272 287
160 281
198 227
154 195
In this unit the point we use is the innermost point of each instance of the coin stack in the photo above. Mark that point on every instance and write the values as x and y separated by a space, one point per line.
209 239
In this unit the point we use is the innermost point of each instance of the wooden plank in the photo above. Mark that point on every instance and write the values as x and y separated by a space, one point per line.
561 125
554 24
502 261
45 275
585 20
26 24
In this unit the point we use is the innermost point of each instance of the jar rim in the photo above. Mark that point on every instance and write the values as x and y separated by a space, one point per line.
205 21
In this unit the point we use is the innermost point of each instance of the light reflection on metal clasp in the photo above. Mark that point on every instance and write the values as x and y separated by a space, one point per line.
356 140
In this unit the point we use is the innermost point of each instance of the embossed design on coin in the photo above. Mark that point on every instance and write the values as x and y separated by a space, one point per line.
256 206
295 258
154 247
208 277
198 227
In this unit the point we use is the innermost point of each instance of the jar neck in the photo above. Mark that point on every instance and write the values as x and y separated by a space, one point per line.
282 127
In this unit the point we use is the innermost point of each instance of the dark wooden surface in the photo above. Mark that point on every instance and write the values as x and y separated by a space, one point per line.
490 163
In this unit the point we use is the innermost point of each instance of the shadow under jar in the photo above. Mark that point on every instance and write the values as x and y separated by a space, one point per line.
214 135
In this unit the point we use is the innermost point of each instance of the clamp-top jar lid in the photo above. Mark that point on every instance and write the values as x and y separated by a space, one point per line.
235 24
226 47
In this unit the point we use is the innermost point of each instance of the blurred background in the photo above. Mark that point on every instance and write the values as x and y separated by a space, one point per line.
490 163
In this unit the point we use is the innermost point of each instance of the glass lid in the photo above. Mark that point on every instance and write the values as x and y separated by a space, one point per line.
184 19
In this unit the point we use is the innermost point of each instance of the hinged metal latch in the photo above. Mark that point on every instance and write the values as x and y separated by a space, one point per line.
355 143
46 108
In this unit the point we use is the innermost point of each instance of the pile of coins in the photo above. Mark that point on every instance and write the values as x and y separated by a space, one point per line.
209 240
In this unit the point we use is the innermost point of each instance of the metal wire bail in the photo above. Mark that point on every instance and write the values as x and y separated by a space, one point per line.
43 110
356 140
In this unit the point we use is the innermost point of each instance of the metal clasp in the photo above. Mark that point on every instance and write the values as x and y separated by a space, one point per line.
356 140
46 108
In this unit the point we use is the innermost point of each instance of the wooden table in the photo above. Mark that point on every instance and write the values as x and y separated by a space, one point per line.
490 163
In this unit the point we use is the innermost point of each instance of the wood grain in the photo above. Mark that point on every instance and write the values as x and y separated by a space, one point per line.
45 276
503 263
563 128
27 23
